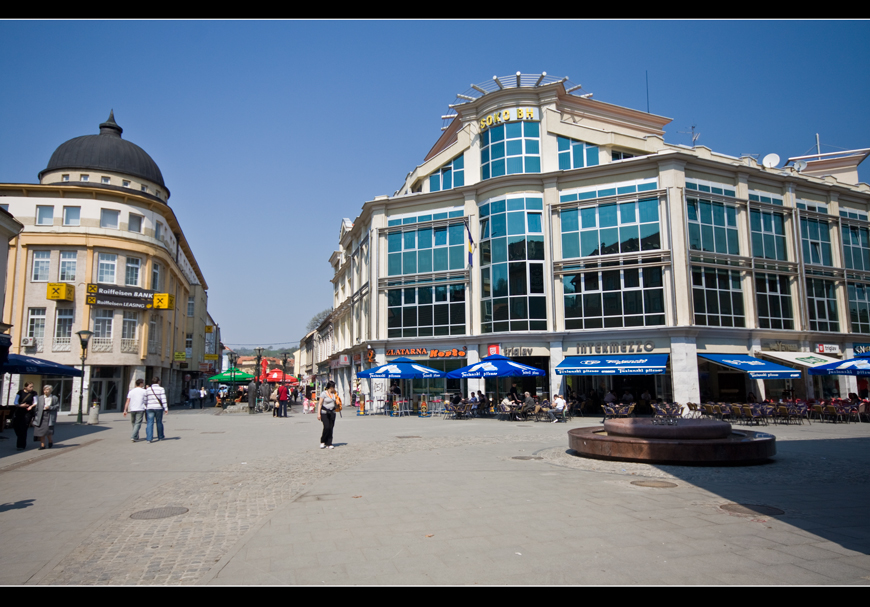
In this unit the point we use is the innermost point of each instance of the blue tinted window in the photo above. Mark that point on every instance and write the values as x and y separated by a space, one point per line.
569 221
535 204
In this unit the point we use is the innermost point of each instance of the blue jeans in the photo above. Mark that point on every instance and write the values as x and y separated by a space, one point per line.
154 415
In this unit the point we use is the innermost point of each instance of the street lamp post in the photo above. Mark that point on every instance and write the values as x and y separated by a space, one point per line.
84 337
233 357
284 367
259 351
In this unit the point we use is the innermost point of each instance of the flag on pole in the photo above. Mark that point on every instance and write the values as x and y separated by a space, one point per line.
470 246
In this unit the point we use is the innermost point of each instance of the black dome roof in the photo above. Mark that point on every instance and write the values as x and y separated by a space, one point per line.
107 152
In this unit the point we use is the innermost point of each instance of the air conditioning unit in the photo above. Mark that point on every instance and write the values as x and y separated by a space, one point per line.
28 341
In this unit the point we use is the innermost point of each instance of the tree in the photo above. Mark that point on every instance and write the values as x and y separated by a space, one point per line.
317 319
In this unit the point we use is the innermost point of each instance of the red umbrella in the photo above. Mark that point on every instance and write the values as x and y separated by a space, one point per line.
277 375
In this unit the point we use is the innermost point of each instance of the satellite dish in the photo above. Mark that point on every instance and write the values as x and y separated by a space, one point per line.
800 165
770 161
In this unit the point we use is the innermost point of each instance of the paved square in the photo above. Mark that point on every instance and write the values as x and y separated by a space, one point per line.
452 505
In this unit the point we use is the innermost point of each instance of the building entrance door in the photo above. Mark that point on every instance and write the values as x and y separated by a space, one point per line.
106 387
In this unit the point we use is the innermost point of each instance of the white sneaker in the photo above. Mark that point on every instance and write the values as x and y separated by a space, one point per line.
330 447
323 445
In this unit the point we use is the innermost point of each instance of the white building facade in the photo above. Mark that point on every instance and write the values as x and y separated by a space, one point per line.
544 225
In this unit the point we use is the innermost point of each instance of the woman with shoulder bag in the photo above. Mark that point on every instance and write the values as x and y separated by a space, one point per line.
47 406
22 414
326 407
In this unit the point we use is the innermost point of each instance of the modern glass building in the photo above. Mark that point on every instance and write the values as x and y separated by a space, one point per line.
564 232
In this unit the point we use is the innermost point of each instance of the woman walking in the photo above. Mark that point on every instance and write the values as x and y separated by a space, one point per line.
45 417
22 415
326 414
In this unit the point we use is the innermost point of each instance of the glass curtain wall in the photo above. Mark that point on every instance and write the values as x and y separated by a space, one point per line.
512 265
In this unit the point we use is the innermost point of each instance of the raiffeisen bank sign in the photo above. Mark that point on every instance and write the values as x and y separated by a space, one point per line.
509 115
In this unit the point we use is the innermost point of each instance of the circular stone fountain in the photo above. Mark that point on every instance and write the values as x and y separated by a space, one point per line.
689 442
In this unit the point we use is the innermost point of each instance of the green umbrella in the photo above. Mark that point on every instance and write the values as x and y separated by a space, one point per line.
232 375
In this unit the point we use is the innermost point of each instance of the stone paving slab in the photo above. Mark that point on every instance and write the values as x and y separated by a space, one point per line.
265 506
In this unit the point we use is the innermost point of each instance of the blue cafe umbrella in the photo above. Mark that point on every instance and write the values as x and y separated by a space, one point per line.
30 365
401 368
495 365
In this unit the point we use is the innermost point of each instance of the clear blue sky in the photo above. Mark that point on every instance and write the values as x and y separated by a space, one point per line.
268 133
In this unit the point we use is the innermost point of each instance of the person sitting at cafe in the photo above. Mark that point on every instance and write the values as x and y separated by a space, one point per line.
529 405
482 402
627 397
610 397
558 407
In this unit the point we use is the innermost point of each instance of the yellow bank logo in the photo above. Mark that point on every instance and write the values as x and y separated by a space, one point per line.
508 115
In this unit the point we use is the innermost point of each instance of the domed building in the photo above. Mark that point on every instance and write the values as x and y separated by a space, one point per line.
102 251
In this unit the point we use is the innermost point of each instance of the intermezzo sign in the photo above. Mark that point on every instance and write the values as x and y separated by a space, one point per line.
616 347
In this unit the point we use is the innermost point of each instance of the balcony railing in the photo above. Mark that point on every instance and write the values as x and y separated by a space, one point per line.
130 345
61 344
101 344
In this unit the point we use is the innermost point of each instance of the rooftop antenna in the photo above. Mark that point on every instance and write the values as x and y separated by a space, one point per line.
647 99
694 135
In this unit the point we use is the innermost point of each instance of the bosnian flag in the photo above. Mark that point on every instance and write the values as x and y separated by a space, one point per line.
470 246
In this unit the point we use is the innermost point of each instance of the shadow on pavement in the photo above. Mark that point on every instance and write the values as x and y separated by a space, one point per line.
64 432
823 487
16 505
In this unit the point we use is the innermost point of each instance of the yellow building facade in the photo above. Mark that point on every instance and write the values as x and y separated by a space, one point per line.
101 250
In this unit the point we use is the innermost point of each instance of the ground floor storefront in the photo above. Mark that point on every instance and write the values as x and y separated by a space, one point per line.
672 365
105 386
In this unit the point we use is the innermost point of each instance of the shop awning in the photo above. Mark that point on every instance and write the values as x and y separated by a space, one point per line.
636 364
756 368
852 366
803 359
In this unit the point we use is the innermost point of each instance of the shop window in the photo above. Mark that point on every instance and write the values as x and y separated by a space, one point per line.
768 234
106 267
63 325
109 219
44 215
36 323
427 249
717 298
614 298
856 248
41 265
712 226
773 298
451 175
608 229
68 261
509 149
426 311
822 305
859 306
816 242
574 154
132 275
72 216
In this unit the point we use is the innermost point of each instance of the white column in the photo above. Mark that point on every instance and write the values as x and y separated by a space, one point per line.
684 370
556 381
757 385
475 383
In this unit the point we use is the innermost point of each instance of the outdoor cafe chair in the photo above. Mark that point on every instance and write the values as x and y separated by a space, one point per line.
831 414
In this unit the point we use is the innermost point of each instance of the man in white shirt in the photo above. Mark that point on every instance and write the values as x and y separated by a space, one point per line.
135 405
559 405
155 407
